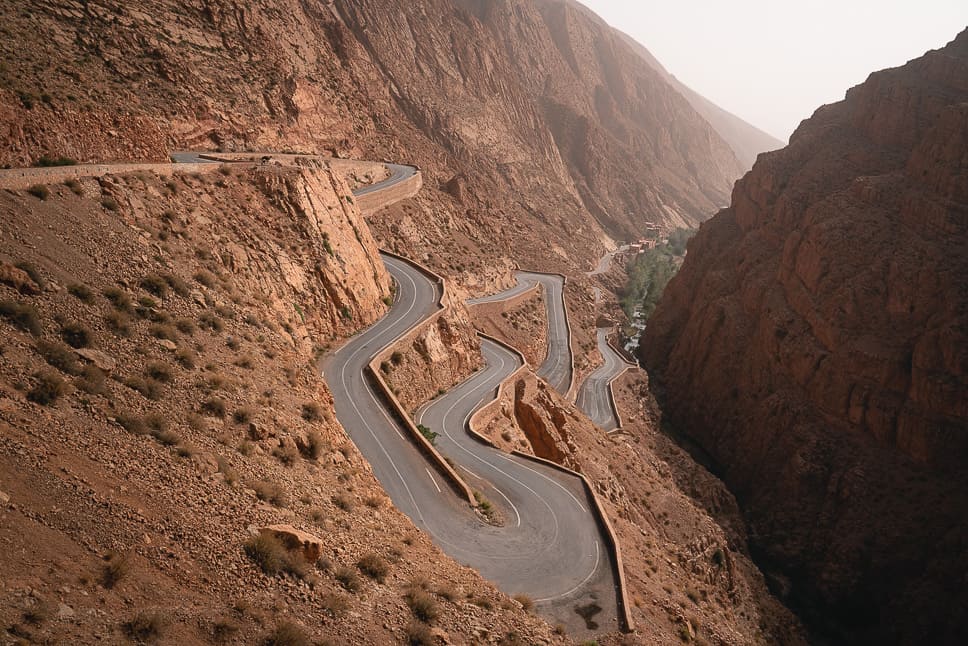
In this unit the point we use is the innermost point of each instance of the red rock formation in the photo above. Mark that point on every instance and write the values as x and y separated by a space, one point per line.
815 343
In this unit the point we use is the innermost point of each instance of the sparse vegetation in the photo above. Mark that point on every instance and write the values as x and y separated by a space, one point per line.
334 604
146 626
149 388
119 299
81 292
422 604
49 162
272 557
526 602
49 387
132 424
214 407
485 506
419 634
76 334
312 412
287 633
205 278
59 356
230 475
40 191
75 186
348 578
209 321
374 566
92 381
186 358
110 204
269 492
155 284
224 630
343 501
286 453
243 415
186 326
119 323
22 315
427 433
313 446
116 567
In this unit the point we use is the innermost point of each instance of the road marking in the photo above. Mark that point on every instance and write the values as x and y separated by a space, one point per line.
471 472
598 558
432 479
518 524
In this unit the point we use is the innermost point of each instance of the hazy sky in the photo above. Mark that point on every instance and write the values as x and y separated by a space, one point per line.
773 62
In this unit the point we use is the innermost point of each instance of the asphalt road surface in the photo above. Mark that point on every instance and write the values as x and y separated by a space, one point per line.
549 546
398 172
593 396
556 368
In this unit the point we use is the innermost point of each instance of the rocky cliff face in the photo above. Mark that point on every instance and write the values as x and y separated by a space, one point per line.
524 112
815 343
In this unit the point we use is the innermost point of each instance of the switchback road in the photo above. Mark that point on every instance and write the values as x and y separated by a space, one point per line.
557 366
594 397
550 545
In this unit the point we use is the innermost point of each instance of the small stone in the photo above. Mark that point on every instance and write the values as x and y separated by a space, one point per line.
168 345
64 611
4 498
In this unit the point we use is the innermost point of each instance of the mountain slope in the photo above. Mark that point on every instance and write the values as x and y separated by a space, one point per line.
815 344
516 110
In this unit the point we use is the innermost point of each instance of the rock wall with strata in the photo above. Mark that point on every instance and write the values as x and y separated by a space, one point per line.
815 344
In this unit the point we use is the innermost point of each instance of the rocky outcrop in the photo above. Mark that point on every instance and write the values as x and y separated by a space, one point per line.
815 344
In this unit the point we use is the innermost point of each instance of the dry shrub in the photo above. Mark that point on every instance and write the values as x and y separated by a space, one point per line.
146 626
116 567
76 334
422 604
373 566
59 356
22 315
48 388
272 557
269 492
287 633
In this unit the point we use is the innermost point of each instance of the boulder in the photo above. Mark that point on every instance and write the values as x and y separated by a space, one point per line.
100 359
310 546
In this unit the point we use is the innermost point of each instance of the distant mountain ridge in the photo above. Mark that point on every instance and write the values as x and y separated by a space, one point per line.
746 140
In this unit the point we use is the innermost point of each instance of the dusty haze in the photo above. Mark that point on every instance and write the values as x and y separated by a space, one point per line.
717 49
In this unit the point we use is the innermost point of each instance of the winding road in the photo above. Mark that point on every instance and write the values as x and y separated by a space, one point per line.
548 543
557 367
594 396
550 546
